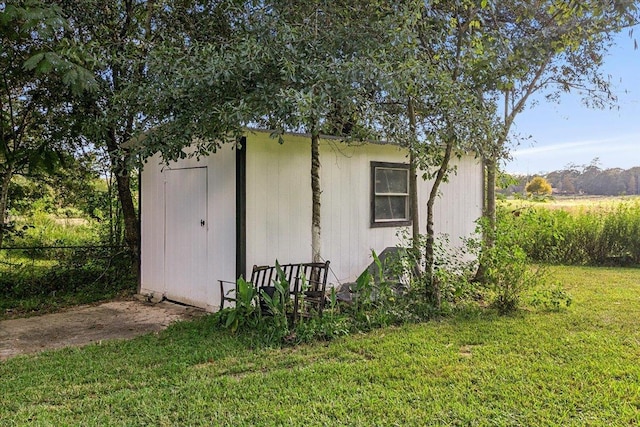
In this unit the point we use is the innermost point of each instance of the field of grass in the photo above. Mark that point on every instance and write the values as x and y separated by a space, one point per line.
572 368
573 204
44 280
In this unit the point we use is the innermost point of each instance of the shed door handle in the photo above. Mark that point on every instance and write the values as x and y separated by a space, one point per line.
202 223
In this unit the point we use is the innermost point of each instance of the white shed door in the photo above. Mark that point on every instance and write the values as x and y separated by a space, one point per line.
185 255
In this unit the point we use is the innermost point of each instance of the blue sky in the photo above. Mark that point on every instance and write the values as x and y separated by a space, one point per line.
569 132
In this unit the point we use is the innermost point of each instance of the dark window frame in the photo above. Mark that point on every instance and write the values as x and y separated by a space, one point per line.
376 223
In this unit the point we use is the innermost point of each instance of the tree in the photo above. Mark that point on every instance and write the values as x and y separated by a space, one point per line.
124 37
437 74
114 33
202 68
40 69
567 185
291 67
551 47
538 186
322 48
633 184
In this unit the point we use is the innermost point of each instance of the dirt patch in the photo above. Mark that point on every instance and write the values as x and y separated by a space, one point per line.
88 324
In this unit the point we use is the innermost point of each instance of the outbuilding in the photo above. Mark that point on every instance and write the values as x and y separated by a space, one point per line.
250 204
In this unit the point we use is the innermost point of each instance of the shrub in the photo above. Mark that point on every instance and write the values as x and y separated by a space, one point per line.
538 186
262 313
593 237
245 312
553 298
507 271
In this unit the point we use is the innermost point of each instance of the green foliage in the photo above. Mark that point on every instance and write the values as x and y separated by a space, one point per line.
507 271
52 272
275 301
606 236
47 279
508 276
456 266
245 313
40 69
378 300
334 323
553 298
262 312
454 269
326 328
538 186
40 228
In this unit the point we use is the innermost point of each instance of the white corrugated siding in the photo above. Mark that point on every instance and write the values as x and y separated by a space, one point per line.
279 202
346 203
460 202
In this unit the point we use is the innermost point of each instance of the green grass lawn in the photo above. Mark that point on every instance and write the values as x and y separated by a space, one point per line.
576 367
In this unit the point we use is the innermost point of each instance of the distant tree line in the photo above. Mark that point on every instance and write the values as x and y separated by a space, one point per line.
588 179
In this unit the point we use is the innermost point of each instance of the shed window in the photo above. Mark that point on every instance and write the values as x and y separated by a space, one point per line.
389 194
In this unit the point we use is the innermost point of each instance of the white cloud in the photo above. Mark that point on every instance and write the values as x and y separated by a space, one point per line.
599 144
619 151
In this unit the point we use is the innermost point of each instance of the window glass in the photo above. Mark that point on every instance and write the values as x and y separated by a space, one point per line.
391 181
391 207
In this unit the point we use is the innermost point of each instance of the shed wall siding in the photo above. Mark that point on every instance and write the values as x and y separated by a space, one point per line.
346 203
279 203
459 204
152 228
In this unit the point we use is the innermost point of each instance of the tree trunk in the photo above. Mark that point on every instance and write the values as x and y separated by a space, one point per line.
433 292
492 170
415 214
315 195
5 180
489 214
123 183
413 189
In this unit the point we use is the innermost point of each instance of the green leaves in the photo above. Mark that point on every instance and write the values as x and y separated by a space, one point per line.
38 61
246 310
73 75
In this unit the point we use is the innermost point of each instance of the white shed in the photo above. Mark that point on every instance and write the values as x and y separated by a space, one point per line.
213 219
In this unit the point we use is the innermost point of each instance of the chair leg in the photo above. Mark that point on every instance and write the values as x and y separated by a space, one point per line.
296 301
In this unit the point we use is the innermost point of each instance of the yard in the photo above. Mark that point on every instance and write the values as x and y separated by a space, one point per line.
574 367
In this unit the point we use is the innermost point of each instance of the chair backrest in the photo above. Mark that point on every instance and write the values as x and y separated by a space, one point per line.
314 274
266 275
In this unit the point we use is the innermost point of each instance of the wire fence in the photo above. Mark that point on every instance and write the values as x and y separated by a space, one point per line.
48 270
43 257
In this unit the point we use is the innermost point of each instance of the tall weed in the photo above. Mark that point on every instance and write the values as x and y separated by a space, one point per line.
607 236
44 229
508 274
